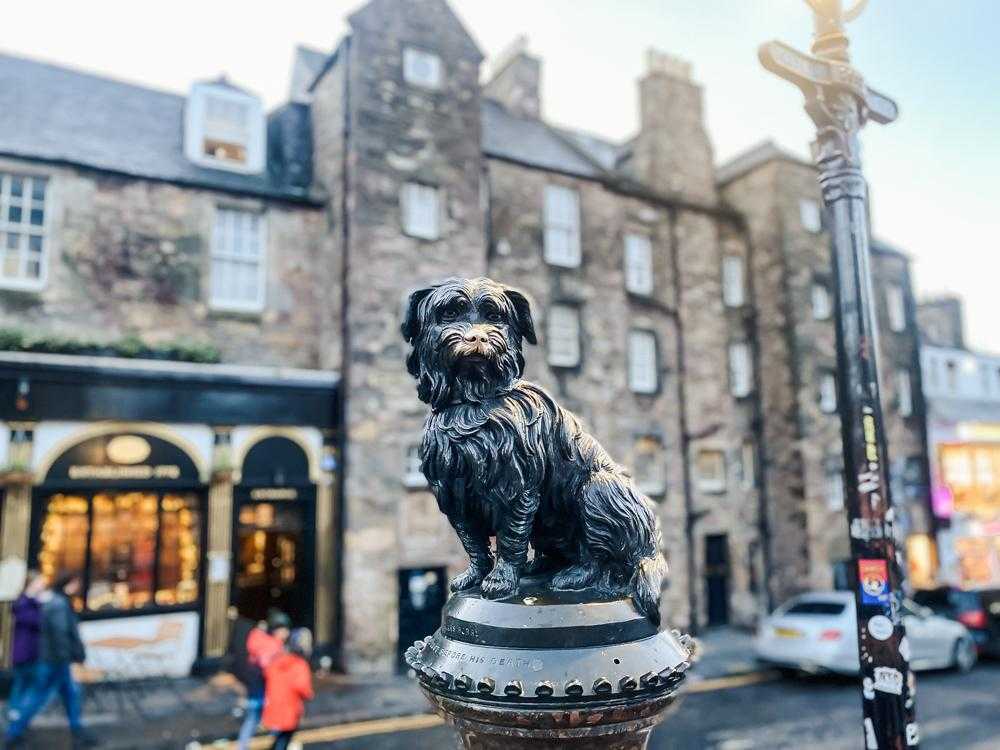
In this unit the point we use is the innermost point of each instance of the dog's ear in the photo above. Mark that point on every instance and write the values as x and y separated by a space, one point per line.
411 318
522 315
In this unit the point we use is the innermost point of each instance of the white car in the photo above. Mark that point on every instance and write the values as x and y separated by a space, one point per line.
817 633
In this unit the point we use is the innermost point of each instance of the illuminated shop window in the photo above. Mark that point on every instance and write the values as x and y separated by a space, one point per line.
144 547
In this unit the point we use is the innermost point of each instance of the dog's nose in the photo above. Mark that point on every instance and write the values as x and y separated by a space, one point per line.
476 337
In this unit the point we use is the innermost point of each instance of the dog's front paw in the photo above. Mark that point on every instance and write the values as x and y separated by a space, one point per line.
502 582
469 578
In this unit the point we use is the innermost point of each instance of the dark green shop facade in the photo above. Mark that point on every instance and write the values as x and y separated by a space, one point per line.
182 494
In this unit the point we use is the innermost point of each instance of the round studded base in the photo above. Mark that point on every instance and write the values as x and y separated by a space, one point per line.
555 669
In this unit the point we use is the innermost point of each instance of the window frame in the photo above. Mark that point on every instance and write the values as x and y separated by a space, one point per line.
40 499
827 295
573 228
734 289
745 387
407 194
748 462
635 334
26 201
413 478
895 307
563 363
195 130
808 220
834 489
638 269
904 405
825 406
711 485
410 55
236 306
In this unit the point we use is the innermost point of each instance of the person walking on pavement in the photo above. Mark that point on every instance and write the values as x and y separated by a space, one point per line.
27 611
59 648
261 646
288 682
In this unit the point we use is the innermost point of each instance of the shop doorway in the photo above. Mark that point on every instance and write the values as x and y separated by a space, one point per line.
273 533
717 578
272 553
421 596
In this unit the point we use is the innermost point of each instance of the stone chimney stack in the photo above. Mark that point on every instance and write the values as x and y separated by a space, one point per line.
517 80
672 152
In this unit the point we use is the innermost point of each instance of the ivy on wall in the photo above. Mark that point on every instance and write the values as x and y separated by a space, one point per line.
133 347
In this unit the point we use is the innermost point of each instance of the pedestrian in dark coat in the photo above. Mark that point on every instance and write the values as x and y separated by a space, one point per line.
27 611
59 648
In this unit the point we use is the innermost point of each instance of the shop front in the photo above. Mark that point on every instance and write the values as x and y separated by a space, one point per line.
180 495
966 503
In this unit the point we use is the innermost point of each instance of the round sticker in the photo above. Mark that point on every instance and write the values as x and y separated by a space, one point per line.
880 627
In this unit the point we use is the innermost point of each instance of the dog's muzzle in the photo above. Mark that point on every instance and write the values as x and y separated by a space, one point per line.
474 343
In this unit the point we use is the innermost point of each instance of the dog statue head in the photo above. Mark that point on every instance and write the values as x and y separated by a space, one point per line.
466 336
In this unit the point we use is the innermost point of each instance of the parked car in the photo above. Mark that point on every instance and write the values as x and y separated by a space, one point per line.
817 633
979 611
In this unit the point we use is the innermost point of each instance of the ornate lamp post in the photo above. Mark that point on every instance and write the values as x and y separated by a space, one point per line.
839 103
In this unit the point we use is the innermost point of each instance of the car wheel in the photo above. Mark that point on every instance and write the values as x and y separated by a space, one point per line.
965 656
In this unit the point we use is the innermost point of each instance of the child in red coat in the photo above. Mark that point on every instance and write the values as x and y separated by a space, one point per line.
288 684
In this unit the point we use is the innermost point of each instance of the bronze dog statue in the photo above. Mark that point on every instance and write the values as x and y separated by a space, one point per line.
504 459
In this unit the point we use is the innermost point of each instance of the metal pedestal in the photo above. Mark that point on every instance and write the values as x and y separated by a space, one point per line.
550 670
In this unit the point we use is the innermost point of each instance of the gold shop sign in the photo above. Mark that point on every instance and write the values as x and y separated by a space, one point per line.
274 493
165 471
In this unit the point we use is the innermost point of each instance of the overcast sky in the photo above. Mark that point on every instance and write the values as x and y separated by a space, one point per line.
933 173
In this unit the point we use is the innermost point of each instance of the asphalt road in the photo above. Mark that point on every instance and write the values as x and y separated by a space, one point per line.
957 712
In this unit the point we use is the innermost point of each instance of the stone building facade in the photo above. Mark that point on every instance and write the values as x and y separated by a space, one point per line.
675 302
780 197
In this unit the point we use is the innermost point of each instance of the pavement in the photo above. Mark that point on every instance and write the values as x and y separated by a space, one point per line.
726 704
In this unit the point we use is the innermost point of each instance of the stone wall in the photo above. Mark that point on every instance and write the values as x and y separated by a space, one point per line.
399 132
131 257
626 423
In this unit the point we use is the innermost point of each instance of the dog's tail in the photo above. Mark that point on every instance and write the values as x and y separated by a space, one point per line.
620 526
645 585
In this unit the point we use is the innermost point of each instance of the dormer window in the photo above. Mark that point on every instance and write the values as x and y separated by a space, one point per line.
224 128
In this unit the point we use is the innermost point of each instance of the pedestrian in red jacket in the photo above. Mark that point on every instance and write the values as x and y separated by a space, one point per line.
288 685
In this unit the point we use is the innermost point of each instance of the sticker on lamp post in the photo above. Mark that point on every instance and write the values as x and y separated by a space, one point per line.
873 578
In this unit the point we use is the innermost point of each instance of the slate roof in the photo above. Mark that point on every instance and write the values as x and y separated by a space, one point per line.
753 157
533 142
61 115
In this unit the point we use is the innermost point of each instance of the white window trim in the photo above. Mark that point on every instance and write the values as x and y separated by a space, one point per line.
834 489
733 286
557 358
811 215
895 306
573 258
648 382
714 485
409 55
827 402
748 458
259 304
638 258
406 193
194 129
741 383
819 288
655 486
413 477
47 235
904 393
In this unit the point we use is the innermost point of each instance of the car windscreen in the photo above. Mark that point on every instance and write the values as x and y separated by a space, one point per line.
815 608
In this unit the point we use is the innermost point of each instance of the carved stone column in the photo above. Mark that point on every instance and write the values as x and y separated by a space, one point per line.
17 480
219 553
326 541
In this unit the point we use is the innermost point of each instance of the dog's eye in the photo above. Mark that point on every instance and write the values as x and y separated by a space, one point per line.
494 316
453 310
